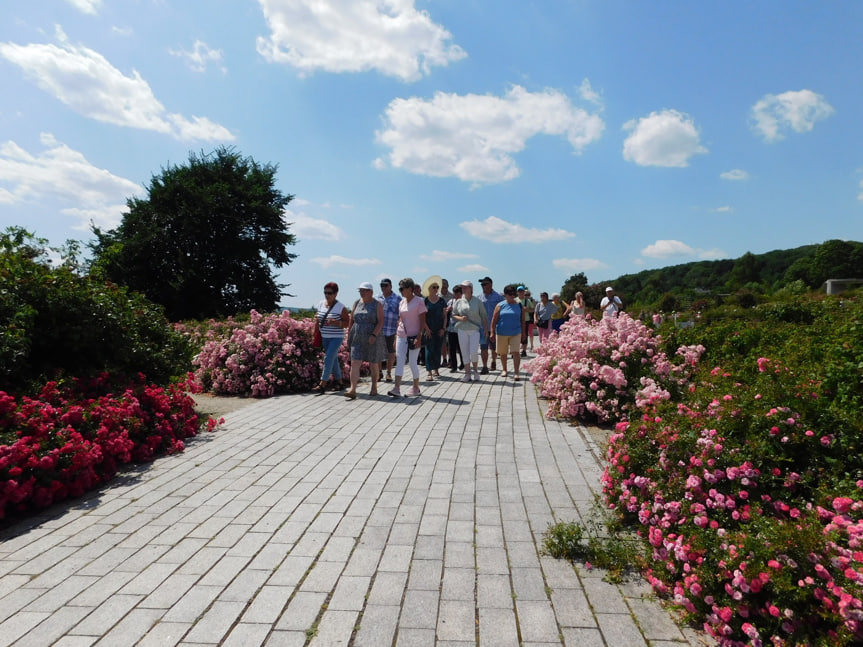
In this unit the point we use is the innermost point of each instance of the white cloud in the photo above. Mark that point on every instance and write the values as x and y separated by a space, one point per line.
472 137
775 114
723 209
578 264
329 261
200 56
306 228
666 138
586 92
501 231
473 269
438 256
86 6
86 82
735 174
390 36
666 248
669 248
61 173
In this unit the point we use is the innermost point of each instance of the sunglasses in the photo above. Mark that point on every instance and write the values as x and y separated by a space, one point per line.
328 293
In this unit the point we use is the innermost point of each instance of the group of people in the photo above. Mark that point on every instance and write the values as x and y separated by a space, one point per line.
389 330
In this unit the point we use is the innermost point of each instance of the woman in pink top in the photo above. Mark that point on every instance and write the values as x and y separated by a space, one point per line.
412 327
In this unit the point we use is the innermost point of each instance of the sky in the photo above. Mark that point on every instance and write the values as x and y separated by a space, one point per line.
523 140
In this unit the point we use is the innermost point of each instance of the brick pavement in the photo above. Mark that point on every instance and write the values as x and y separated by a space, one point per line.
319 521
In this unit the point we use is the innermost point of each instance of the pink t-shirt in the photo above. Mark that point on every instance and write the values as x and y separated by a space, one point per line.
409 316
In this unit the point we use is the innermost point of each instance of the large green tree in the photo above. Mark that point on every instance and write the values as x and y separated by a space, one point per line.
205 240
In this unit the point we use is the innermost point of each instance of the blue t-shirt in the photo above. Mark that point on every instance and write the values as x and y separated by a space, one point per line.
509 319
490 302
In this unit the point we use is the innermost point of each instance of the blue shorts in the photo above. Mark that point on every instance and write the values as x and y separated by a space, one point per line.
484 342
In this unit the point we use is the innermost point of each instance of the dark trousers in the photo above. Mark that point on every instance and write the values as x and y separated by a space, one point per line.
453 349
433 346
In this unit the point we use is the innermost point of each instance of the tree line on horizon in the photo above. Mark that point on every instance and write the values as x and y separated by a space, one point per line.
744 280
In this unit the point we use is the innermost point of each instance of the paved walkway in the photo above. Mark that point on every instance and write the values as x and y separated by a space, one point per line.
318 521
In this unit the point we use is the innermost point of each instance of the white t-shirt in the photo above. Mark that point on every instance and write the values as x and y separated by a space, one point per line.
615 307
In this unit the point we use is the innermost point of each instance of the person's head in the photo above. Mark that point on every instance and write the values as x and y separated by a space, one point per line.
521 292
366 291
579 296
331 291
457 292
609 291
444 285
486 284
406 288
434 290
543 296
509 292
418 291
386 286
527 294
555 297
467 289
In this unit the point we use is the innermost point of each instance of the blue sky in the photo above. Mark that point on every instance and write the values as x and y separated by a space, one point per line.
523 140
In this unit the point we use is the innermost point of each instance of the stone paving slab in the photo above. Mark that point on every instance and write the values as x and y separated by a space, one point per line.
314 520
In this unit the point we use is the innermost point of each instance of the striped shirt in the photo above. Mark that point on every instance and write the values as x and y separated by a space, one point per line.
330 332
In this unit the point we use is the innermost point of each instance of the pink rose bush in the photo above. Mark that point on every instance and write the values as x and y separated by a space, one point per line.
68 440
749 496
269 355
602 370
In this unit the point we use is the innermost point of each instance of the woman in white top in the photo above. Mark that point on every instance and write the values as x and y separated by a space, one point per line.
331 318
470 317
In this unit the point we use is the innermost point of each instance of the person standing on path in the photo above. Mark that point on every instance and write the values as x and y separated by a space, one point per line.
544 310
507 329
411 328
365 339
390 302
559 316
446 295
452 334
436 321
529 306
470 316
331 319
611 305
489 299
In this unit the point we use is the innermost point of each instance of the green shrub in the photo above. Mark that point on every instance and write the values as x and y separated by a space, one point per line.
59 322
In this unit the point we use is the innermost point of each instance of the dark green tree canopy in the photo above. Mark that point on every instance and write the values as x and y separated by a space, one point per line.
204 241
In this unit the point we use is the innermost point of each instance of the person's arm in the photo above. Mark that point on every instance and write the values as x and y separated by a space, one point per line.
494 319
424 330
380 325
445 320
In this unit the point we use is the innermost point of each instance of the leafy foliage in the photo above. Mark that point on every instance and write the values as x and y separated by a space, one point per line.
203 241
59 323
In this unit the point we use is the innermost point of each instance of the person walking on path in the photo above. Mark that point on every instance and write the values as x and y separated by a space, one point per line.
365 341
507 329
559 316
544 310
411 327
436 321
489 299
446 295
529 306
611 305
390 302
455 353
331 319
470 316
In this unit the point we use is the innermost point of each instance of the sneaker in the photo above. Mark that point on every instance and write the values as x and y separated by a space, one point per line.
414 392
466 377
394 393
475 376
524 353
484 370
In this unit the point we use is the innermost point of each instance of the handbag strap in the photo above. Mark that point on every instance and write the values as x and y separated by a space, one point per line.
326 314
